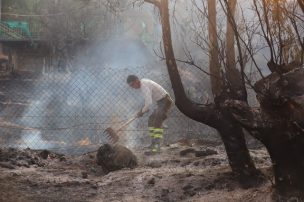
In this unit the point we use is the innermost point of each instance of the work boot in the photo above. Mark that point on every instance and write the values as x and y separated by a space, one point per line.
149 153
156 147
149 147
153 149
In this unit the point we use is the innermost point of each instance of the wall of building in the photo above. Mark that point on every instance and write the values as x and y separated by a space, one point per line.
26 57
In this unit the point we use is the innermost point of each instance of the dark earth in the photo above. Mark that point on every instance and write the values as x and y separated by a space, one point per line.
174 175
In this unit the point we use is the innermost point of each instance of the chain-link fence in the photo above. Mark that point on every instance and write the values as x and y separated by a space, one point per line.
68 111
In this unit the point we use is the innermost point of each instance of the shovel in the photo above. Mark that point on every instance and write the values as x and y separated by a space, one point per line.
112 134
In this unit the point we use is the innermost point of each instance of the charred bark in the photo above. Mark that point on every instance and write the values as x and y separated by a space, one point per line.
212 115
284 141
286 148
283 68
284 103
239 159
279 126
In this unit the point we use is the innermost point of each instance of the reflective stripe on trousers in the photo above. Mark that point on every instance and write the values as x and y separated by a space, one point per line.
156 133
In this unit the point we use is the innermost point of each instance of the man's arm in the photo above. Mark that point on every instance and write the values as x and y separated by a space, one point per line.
148 101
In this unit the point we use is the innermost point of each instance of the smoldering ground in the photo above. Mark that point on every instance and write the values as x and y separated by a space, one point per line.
69 109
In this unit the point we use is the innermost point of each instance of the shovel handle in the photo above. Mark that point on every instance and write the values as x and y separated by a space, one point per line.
126 123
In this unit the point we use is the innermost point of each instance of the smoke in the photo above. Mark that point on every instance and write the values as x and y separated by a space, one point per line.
71 108
68 107
34 140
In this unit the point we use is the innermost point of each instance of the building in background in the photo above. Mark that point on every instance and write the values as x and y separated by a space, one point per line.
20 30
43 35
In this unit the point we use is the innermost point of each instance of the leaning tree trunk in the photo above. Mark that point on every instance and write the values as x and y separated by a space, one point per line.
231 133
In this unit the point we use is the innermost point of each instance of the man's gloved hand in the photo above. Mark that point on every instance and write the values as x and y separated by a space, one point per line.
141 113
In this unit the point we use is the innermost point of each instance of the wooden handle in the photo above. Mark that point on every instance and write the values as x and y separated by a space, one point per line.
126 123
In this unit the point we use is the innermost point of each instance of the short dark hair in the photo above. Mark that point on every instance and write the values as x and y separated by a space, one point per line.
132 78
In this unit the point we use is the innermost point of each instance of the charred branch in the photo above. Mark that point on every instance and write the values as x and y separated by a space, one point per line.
249 118
283 68
282 87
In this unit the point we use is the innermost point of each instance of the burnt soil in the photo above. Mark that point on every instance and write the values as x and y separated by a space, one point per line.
182 172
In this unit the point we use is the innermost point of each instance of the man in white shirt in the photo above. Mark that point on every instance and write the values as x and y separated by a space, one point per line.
153 92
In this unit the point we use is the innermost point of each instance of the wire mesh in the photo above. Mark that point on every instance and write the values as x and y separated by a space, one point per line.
68 112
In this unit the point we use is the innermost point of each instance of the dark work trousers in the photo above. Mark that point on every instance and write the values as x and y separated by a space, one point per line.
156 120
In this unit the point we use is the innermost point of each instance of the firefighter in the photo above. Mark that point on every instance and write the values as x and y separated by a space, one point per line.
153 92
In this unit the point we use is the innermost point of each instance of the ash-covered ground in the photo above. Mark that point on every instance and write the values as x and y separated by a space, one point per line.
192 170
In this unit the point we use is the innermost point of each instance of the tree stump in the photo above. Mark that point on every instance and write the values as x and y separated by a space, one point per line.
115 157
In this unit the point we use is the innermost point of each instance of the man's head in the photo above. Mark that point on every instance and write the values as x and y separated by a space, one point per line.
133 81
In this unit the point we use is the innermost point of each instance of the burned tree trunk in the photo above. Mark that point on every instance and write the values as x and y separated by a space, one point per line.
286 149
284 103
239 159
212 115
279 125
231 132
284 141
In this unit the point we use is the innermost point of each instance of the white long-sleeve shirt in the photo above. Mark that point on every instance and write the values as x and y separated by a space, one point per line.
152 92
